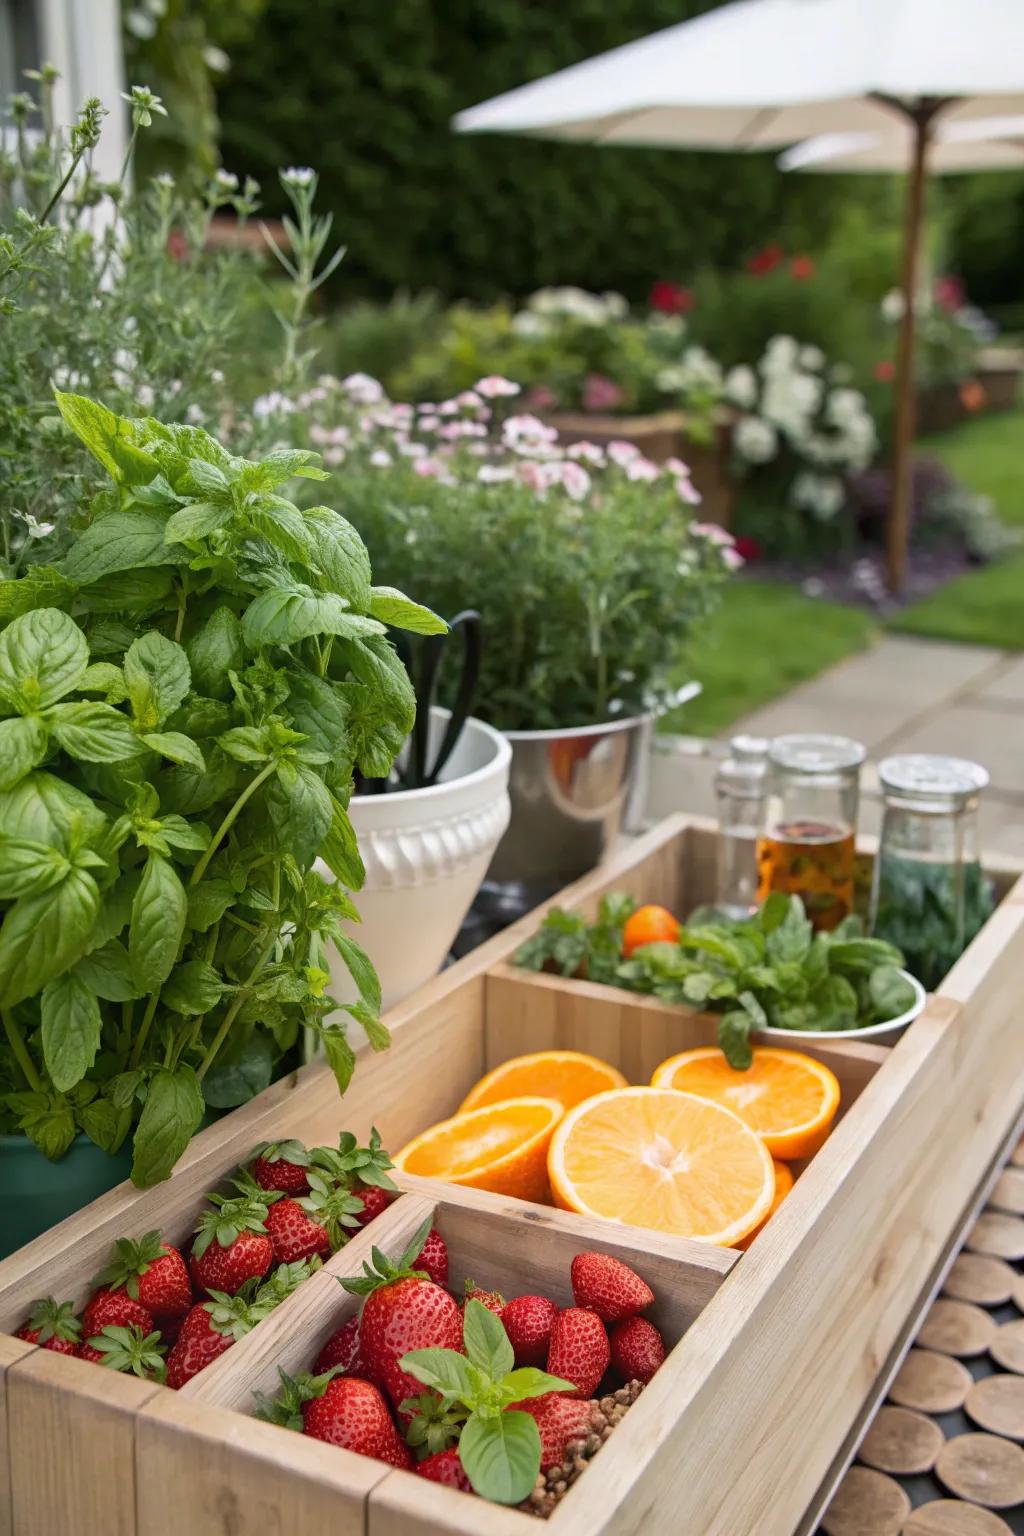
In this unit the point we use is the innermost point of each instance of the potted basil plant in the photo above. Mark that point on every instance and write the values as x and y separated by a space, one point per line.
183 699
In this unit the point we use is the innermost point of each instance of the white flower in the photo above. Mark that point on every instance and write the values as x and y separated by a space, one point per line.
494 474
334 456
780 355
413 450
164 180
741 386
821 495
575 479
216 376
790 399
428 423
145 397
227 181
380 459
527 323
494 387
36 529
590 453
811 357
622 453
195 415
272 404
528 434
362 389
319 435
893 306
642 469
615 305
671 380
574 304
755 440
298 176
688 492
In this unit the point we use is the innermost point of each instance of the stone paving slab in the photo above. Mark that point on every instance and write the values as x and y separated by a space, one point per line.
1007 686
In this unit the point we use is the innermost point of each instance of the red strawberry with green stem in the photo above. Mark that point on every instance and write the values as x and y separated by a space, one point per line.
364 1170
232 1244
374 1201
494 1301
209 1329
341 1410
53 1326
579 1349
528 1322
150 1271
445 1467
128 1350
281 1165
341 1352
638 1350
608 1287
402 1311
559 1420
115 1309
331 1204
294 1234
286 1278
433 1259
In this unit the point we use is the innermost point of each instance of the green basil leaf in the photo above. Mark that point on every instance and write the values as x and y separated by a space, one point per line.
196 520
240 1073
42 586
890 992
378 1035
43 935
27 867
23 745
70 1030
486 1341
176 747
382 704
105 1124
284 526
734 1039
170 1117
107 970
284 615
360 968
214 652
208 901
340 1056
246 744
180 834
104 677
501 1455
48 810
320 711
447 1372
300 808
340 849
94 732
192 988
157 923
394 608
47 1120
121 541
208 476
43 655
529 1382
157 673
109 438
341 556
125 592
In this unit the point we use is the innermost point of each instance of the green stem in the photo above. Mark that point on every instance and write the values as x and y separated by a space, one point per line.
180 624
21 1055
147 1019
236 1004
229 821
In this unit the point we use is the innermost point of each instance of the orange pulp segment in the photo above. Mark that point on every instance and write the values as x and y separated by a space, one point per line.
783 1185
653 1157
788 1098
568 1076
502 1147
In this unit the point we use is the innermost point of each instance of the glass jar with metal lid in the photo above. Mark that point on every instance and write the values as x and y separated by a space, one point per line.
739 790
928 894
806 847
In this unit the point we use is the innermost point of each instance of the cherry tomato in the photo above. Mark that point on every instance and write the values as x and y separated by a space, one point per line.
649 925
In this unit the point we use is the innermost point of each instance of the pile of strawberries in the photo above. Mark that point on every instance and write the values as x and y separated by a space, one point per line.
165 1319
362 1396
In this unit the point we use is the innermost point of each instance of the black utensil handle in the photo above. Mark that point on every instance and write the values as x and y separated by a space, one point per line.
468 623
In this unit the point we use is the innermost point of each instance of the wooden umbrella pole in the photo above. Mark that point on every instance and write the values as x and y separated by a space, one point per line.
898 531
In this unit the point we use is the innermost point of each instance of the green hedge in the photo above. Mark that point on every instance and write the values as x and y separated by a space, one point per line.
365 90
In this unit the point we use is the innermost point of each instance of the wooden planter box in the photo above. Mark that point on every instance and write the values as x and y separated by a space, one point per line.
775 1350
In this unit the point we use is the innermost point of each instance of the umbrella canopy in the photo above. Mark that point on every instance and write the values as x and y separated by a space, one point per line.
764 74
984 144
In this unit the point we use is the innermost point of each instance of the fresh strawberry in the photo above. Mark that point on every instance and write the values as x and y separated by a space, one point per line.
232 1245
445 1467
637 1349
579 1349
129 1350
608 1287
151 1272
494 1301
559 1419
295 1235
374 1201
352 1413
341 1352
209 1329
281 1165
433 1259
52 1325
403 1311
116 1309
359 1168
333 1206
528 1322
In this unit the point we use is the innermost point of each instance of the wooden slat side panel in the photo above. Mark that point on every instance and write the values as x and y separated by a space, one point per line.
805 1320
404 1505
72 1446
11 1352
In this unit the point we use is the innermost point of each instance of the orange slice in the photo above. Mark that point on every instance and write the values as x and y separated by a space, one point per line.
783 1185
502 1147
657 1158
568 1076
789 1099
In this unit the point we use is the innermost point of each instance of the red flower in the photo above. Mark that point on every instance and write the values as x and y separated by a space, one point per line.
802 268
749 548
885 371
766 261
177 245
670 298
950 293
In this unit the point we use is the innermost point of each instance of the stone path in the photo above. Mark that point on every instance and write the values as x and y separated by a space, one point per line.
904 695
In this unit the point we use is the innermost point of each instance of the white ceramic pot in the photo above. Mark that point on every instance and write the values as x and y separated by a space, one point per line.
426 852
886 1033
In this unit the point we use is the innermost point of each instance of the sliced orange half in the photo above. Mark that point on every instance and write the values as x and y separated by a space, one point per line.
789 1099
783 1185
654 1157
502 1147
568 1076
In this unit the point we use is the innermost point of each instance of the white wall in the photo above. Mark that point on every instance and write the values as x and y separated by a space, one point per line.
83 39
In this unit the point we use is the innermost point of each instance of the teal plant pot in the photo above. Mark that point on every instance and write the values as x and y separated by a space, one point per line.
37 1193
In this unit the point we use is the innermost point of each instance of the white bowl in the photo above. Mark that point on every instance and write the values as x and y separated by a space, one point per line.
886 1033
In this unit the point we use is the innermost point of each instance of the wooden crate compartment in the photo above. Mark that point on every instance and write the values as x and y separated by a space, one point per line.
196 1448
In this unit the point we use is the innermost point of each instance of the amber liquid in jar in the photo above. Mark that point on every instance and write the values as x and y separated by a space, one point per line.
813 860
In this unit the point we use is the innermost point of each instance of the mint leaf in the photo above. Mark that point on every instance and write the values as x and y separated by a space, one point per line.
341 556
501 1456
486 1341
360 968
121 541
286 614
196 521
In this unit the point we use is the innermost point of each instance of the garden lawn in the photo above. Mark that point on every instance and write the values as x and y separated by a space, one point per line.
986 607
763 640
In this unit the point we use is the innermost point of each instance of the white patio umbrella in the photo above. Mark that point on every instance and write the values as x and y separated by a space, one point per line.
765 74
984 144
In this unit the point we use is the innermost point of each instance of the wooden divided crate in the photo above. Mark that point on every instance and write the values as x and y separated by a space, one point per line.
774 1351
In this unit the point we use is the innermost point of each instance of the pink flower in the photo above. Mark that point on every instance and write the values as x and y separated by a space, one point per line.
469 400
732 559
533 475
494 387
334 456
519 431
714 533
428 468
590 452
677 467
428 423
688 492
540 398
361 388
950 293
621 452
600 393
642 469
494 474
575 479
319 434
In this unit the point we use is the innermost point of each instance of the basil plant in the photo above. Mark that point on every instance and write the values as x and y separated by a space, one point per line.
183 699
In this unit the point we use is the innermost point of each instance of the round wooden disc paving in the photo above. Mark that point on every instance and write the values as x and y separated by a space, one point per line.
984 1469
957 1328
867 1503
999 1235
902 1442
1008 1194
978 1278
1007 1348
931 1383
997 1404
948 1517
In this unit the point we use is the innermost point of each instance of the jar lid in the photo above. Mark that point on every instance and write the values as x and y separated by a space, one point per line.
817 754
749 746
929 775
